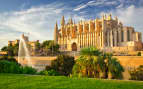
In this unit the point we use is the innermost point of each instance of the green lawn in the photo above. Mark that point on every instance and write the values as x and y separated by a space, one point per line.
15 81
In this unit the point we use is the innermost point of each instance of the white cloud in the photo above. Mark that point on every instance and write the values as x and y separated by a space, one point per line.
80 7
131 16
95 3
38 21
120 6
111 3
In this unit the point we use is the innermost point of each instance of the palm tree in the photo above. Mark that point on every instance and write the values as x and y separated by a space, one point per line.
113 67
80 67
102 66
86 64
93 63
90 52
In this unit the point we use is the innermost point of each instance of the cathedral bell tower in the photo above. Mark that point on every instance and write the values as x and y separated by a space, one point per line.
62 26
63 21
109 17
70 21
56 33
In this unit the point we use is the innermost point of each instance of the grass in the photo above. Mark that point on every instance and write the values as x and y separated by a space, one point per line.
17 81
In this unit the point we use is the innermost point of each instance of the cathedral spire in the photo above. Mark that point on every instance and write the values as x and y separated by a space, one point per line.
110 17
105 16
23 35
74 22
70 21
120 23
56 33
116 18
63 21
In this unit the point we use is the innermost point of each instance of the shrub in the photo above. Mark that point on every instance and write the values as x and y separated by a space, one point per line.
52 73
28 70
63 64
13 67
48 67
139 54
49 72
9 67
44 72
137 74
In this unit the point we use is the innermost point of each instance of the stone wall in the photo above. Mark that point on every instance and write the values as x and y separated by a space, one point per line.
39 63
128 62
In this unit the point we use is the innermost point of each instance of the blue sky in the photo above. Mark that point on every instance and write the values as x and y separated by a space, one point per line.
38 17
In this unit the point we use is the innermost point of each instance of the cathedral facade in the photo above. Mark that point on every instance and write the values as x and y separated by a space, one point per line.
106 33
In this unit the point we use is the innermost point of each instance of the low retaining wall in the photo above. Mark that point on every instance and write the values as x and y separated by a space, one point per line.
38 63
127 62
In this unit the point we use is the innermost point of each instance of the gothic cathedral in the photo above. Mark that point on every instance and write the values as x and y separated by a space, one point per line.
107 34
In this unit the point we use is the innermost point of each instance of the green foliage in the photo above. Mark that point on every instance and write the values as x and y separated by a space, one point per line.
137 74
9 67
49 72
16 81
94 63
115 68
44 72
90 51
28 70
139 54
13 67
48 67
8 58
15 49
45 43
5 48
86 67
12 50
50 47
37 45
54 47
63 64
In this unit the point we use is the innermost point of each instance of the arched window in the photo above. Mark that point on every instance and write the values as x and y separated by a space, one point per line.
74 47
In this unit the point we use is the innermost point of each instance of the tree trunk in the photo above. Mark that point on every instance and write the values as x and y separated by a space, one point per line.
109 75
102 74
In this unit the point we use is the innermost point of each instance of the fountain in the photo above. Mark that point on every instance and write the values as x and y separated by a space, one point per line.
23 54
25 59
